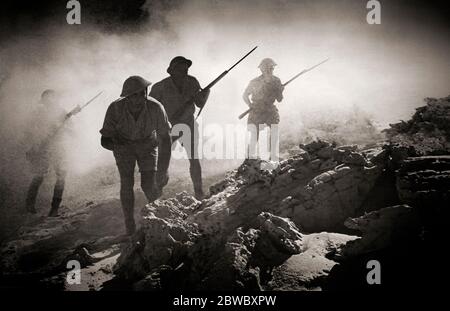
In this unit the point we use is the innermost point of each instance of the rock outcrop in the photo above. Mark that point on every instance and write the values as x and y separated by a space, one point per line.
43 247
426 133
237 237
310 269
318 188
261 228
424 182
382 229
212 256
303 223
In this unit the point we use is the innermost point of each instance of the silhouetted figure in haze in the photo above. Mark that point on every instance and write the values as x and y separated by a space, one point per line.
46 141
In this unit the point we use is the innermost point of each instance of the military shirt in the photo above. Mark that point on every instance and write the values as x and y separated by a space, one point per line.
119 122
45 123
263 95
170 96
265 92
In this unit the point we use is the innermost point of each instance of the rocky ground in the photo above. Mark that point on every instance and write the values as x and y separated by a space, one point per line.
309 222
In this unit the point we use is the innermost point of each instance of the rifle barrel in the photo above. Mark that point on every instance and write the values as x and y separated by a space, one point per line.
287 82
304 71
317 65
223 74
216 80
242 58
92 99
293 78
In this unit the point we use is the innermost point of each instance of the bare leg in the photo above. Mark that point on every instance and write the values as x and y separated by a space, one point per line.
58 191
127 200
195 170
164 155
253 143
148 185
33 190
274 142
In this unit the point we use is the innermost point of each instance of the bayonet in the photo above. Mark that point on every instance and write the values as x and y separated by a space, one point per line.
287 82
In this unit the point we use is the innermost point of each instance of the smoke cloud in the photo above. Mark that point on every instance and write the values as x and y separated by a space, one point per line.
382 71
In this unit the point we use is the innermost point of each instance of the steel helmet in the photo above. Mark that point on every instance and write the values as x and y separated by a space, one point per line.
178 60
267 62
47 93
134 84
48 96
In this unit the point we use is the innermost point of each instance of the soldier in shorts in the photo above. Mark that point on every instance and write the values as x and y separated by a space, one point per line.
260 95
134 126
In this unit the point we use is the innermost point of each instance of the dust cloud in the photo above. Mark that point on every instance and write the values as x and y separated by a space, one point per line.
377 72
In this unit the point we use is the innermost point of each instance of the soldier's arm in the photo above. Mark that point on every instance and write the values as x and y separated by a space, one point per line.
108 130
202 97
280 89
164 156
155 92
69 128
247 93
164 146
109 124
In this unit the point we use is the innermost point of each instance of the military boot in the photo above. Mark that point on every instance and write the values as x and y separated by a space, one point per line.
130 224
196 176
32 194
56 202
198 189
127 202
199 194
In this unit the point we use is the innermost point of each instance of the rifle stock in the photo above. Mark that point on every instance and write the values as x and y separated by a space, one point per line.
246 112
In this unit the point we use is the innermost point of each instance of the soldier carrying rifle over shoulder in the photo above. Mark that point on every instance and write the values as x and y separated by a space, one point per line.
180 93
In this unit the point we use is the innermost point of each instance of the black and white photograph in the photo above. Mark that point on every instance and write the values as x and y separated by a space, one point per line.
230 153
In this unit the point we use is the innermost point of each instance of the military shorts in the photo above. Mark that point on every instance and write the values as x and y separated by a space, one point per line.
264 115
40 163
144 153
190 145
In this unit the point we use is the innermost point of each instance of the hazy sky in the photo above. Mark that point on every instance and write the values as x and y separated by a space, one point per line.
385 70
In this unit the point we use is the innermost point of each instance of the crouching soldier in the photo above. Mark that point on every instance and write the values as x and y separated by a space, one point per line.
133 127
47 149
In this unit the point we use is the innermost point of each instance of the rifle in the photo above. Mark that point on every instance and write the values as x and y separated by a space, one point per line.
180 113
39 149
286 83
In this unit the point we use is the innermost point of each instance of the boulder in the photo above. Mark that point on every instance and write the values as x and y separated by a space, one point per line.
163 239
426 133
44 245
309 269
383 228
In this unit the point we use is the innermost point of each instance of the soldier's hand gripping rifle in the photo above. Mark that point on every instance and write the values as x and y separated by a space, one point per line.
41 147
286 83
183 113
